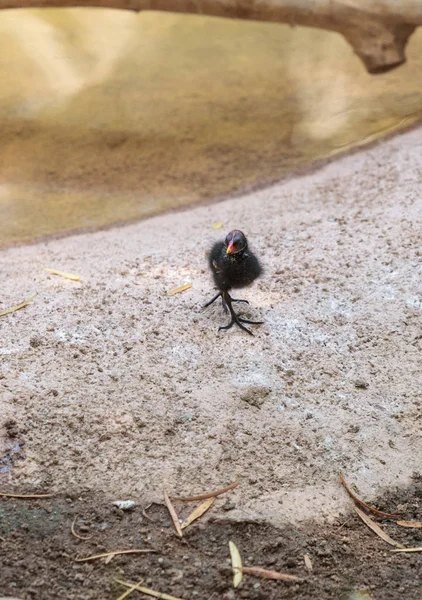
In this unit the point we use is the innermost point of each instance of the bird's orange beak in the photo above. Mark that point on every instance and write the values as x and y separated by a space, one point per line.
230 248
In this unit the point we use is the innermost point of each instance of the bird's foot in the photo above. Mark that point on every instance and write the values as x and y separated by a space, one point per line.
239 322
238 300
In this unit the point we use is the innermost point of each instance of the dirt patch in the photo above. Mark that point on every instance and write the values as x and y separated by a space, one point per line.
38 552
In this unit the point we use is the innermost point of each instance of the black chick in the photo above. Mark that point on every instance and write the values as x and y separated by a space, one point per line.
233 266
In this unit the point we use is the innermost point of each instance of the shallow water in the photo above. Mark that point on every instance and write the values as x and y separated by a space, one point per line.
108 116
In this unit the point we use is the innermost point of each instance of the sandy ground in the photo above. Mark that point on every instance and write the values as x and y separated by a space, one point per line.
111 386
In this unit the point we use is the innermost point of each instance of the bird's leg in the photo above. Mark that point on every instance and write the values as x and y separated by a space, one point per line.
235 318
226 309
213 300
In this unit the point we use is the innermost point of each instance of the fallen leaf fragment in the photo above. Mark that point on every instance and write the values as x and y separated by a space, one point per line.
236 564
71 276
362 503
80 537
198 512
415 549
148 591
173 514
376 528
218 225
308 562
265 574
29 496
17 307
181 288
115 553
130 590
208 495
414 524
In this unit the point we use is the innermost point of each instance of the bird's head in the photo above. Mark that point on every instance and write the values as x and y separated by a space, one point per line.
235 242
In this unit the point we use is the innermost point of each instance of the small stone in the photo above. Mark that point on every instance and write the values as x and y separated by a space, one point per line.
35 341
354 429
361 385
184 418
228 505
255 395
12 428
124 504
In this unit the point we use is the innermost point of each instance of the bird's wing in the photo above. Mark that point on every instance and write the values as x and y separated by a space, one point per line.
216 267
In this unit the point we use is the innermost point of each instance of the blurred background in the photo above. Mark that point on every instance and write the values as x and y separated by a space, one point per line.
108 116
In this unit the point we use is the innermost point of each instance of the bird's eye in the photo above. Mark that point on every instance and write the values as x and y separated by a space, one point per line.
237 240
228 239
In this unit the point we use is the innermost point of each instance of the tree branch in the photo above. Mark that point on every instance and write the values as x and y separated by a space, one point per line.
377 30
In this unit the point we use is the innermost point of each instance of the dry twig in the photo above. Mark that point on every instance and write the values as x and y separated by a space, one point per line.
115 553
130 590
17 307
208 495
415 549
28 496
80 537
148 591
173 514
144 513
181 288
266 574
362 503
64 274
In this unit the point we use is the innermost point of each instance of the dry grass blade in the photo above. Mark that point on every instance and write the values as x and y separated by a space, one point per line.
376 528
130 590
29 496
198 512
115 553
362 503
308 562
415 549
266 574
236 564
80 537
17 307
209 495
70 276
148 591
413 524
181 288
173 514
